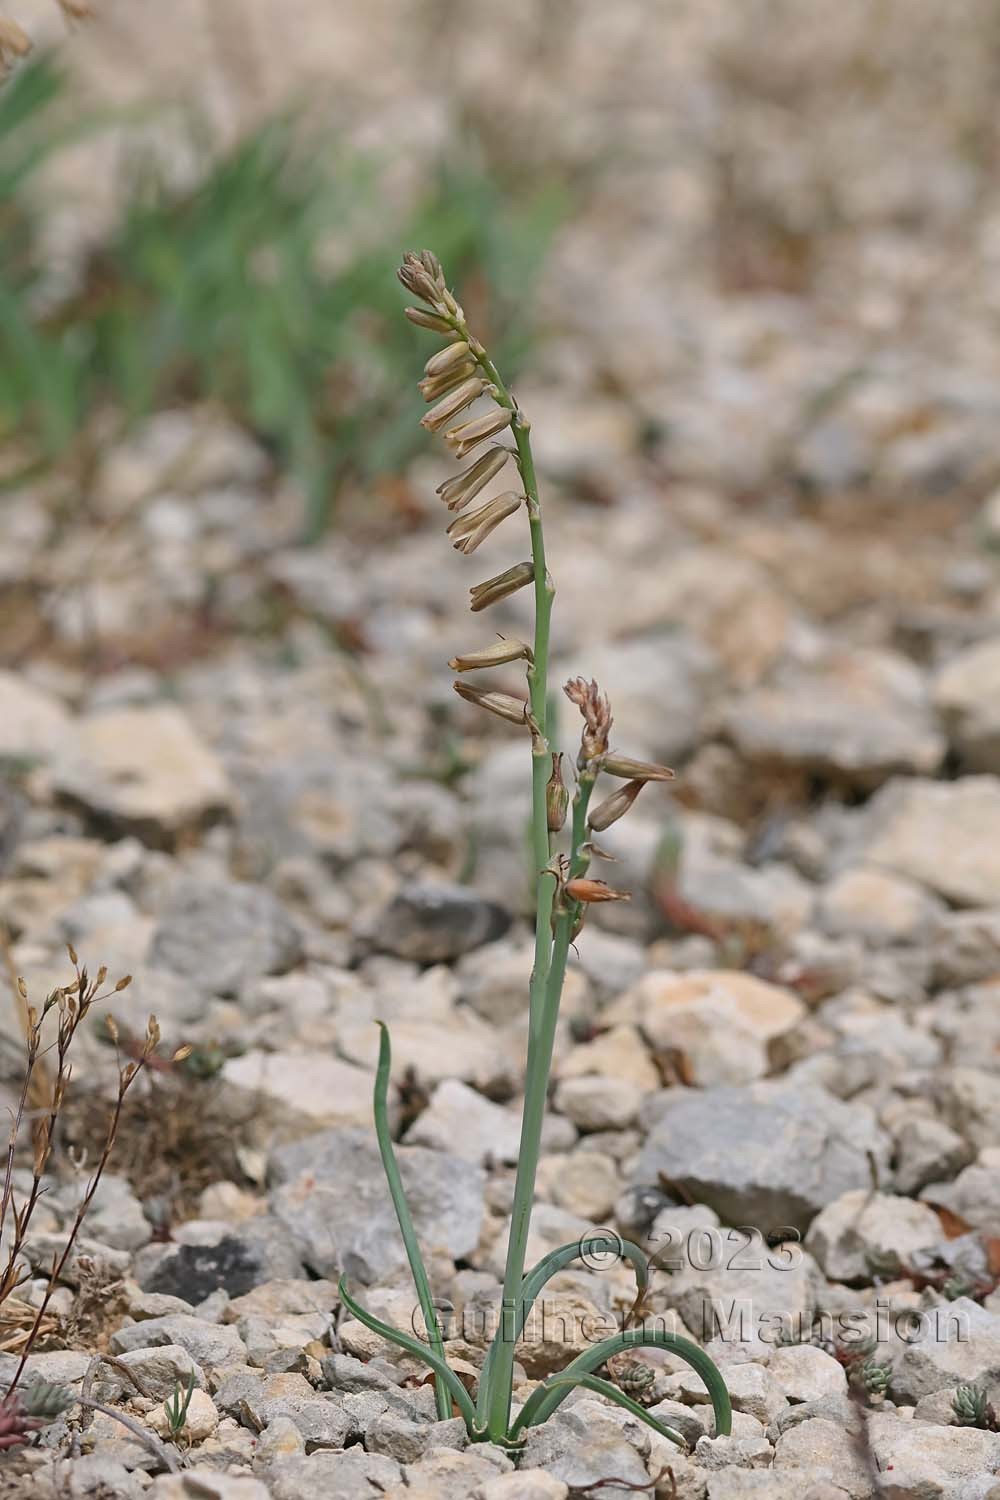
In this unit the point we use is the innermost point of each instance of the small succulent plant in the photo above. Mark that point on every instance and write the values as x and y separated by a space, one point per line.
456 377
24 1411
973 1408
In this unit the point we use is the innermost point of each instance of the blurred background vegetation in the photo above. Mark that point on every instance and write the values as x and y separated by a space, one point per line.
264 285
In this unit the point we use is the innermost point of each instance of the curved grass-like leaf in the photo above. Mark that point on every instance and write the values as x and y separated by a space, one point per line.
605 1388
550 1265
417 1268
543 1402
420 1350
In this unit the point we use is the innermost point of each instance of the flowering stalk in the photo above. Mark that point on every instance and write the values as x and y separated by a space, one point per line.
454 379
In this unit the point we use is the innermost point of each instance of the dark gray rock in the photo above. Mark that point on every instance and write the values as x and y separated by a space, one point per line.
219 935
432 924
255 1252
767 1154
330 1193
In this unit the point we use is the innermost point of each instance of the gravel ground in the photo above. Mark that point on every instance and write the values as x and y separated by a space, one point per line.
765 407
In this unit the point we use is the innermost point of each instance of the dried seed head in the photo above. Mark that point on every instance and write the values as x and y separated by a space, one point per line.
615 806
428 320
123 984
468 530
14 41
447 359
514 710
491 656
22 988
457 400
556 796
72 954
461 440
112 1028
597 720
588 890
423 283
495 589
461 488
635 770
439 385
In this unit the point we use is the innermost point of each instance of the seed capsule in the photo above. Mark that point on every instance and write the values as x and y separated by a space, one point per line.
461 488
491 656
427 320
635 770
446 359
484 594
588 890
556 796
514 710
457 400
615 806
439 385
461 440
468 530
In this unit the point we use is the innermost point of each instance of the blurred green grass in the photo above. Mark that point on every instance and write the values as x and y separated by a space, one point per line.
266 287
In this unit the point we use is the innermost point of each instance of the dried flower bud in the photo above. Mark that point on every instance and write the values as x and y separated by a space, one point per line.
468 530
112 1028
588 890
432 266
492 656
102 975
428 320
504 584
447 359
461 440
461 488
615 806
635 770
514 710
439 385
14 41
414 275
22 988
597 720
556 796
123 984
457 400
181 1054
72 954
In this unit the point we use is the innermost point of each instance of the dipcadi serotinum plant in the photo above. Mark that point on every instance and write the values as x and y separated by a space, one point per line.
455 377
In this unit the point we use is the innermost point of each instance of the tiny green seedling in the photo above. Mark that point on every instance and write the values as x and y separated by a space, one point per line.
455 377
176 1407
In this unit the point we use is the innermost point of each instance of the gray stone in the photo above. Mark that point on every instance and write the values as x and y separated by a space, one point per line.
320 1419
207 1484
34 725
806 1373
443 1474
158 1370
723 1021
748 1298
596 1102
927 1151
927 1461
946 835
142 771
254 1252
966 946
406 1440
768 1155
309 1089
975 1193
343 1372
352 1475
862 1234
862 715
432 924
738 1452
219 936
330 1193
462 1121
526 1484
965 696
818 1449
960 1344
582 1452
210 1345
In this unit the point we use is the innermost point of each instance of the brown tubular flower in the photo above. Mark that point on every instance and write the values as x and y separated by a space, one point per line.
492 656
421 274
514 710
556 795
468 530
500 587
449 406
446 359
440 385
462 439
615 806
461 488
635 770
597 720
429 320
588 891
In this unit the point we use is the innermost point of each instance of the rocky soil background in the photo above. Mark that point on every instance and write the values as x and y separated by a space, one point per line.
766 406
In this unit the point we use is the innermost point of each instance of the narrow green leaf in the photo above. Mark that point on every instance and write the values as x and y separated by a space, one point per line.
417 1268
420 1350
544 1401
612 1392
